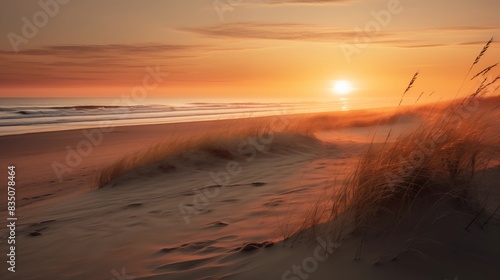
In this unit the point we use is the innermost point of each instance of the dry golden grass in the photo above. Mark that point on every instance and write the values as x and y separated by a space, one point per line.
441 156
437 161
214 142
221 142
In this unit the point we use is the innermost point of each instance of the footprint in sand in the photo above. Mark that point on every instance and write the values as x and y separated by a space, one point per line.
189 193
132 206
206 246
37 228
185 265
167 250
273 203
43 223
217 224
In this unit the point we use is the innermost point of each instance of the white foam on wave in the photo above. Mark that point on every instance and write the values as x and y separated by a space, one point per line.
32 117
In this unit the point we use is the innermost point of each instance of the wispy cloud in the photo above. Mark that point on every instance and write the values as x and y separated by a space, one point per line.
97 64
119 64
465 28
477 43
324 34
276 31
109 51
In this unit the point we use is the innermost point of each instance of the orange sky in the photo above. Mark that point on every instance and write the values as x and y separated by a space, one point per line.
246 48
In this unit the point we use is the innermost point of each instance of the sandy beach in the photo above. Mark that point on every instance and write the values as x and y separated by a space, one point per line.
240 211
235 140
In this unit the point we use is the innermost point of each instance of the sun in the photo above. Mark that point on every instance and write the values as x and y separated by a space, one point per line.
342 87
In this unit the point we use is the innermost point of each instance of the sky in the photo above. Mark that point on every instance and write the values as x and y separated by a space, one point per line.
242 48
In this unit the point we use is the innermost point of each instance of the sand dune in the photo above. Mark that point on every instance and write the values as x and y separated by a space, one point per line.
238 210
141 213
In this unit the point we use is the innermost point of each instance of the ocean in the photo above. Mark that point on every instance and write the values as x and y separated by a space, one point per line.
29 115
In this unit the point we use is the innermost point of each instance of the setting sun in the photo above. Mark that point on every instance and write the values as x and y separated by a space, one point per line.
207 139
342 87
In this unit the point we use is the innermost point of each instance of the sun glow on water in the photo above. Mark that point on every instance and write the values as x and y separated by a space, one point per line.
342 87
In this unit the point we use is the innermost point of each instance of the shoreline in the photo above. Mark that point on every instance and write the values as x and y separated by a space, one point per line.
42 182
232 118
37 176
217 209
